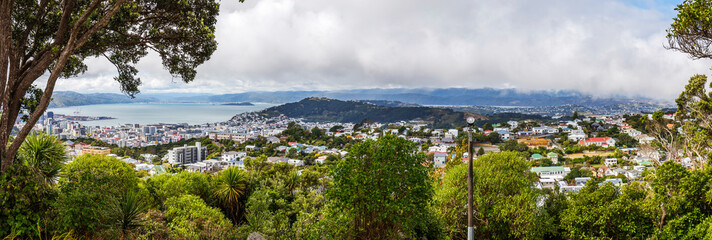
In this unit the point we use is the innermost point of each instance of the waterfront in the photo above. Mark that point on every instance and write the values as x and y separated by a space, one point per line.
150 113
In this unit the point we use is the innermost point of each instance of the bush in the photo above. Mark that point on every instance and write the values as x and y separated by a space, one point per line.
87 186
188 217
25 200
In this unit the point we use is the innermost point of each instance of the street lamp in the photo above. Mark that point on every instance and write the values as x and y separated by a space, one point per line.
470 228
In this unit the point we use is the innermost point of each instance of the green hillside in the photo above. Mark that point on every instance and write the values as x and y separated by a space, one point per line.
324 109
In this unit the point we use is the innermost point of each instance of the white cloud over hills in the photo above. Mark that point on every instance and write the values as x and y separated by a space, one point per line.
601 47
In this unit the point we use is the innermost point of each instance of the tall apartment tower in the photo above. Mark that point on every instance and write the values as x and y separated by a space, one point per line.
187 154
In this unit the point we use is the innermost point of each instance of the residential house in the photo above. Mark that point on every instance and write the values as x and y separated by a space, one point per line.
439 159
232 156
581 181
577 135
545 130
599 141
551 172
536 157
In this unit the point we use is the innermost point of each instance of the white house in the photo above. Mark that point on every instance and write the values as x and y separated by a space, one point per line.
611 161
232 156
296 162
545 130
577 135
599 141
551 172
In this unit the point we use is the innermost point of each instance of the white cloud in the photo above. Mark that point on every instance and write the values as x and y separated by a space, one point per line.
596 46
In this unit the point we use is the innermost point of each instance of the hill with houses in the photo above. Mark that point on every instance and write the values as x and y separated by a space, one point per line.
332 110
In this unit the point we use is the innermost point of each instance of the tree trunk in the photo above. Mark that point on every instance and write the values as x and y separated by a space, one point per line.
16 80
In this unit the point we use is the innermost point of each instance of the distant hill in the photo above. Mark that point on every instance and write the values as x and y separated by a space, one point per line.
445 96
325 109
390 103
387 97
67 99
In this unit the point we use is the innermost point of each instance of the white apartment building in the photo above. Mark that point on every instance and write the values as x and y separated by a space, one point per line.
187 154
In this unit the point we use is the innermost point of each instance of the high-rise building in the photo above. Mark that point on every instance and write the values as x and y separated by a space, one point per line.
187 154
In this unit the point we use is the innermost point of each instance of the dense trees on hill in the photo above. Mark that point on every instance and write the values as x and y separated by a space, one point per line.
322 109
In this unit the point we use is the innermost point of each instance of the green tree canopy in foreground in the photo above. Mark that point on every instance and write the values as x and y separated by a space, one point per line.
383 187
86 185
55 37
504 198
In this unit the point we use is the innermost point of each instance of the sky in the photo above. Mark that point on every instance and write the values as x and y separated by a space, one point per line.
600 47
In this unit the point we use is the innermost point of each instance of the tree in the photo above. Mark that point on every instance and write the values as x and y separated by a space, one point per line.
126 211
55 37
577 172
86 186
608 212
383 187
691 30
25 202
189 217
165 186
513 145
337 128
667 138
229 190
575 116
45 153
501 211
481 152
680 194
694 106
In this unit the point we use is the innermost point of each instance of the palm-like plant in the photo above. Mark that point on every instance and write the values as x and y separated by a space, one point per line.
126 210
231 187
43 152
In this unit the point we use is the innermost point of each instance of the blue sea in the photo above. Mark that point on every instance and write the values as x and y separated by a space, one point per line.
150 113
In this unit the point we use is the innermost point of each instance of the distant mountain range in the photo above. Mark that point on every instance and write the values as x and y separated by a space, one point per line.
332 110
66 99
446 96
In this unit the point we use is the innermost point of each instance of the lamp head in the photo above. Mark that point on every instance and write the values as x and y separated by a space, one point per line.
470 120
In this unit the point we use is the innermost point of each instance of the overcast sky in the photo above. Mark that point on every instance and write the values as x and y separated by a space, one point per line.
601 47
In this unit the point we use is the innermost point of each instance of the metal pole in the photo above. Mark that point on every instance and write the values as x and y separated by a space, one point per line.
470 228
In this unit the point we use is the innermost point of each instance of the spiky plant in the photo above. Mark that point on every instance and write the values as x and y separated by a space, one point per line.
126 211
44 152
231 187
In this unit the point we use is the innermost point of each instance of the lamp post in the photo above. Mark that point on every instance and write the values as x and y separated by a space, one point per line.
470 228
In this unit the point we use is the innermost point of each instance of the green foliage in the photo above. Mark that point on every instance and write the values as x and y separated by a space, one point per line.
189 217
513 145
324 109
125 211
384 188
43 152
577 172
269 211
231 186
608 212
504 198
86 186
689 33
165 186
25 199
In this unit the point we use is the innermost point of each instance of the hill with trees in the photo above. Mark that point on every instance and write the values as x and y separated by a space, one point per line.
331 110
68 98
